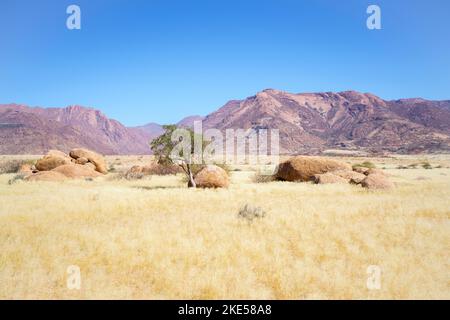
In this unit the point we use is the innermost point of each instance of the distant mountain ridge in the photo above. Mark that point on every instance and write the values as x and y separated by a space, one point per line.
40 129
308 123
312 122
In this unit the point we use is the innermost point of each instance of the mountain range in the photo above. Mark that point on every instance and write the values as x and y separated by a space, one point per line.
308 123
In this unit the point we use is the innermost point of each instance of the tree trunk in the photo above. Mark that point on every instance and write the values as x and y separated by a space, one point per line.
191 183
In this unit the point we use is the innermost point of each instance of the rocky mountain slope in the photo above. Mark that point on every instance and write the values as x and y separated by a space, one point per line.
25 130
313 122
308 123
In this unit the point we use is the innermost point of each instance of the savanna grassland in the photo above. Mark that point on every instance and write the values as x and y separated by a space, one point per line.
156 239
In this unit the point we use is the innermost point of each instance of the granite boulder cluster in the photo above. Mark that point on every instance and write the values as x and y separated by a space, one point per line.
58 166
321 170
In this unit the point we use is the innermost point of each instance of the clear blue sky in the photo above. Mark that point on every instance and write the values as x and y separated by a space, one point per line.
161 60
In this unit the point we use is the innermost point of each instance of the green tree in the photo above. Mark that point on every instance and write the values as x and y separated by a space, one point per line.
163 146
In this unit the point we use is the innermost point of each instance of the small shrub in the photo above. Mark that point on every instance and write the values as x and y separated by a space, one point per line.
426 165
412 166
258 177
17 177
128 176
112 169
115 176
365 164
134 176
402 167
13 166
146 172
250 213
164 170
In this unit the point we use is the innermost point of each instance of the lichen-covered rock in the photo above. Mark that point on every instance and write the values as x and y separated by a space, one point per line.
303 168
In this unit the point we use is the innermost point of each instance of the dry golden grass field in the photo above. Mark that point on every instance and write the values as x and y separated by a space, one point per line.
156 239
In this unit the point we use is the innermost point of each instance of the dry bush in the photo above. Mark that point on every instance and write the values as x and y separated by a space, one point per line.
17 177
128 176
365 164
13 165
426 165
259 177
115 176
134 175
123 175
146 172
250 213
164 170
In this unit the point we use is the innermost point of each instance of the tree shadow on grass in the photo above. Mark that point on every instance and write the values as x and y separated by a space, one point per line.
155 187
